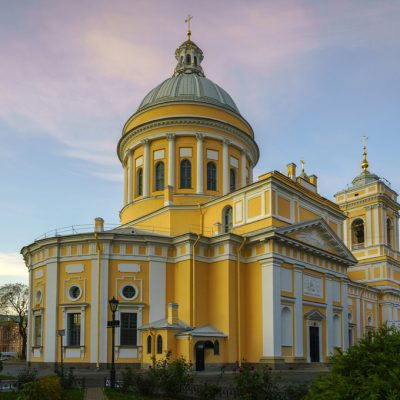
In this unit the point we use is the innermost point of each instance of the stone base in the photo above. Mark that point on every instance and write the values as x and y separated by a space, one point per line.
275 362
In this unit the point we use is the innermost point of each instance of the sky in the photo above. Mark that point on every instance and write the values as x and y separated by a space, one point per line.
311 77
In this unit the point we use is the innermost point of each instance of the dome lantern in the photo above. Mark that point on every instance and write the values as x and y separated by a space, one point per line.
189 57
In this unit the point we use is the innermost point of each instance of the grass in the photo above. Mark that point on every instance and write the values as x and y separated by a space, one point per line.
7 377
116 395
67 394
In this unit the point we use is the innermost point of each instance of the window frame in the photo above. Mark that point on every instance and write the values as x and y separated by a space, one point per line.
159 344
185 174
159 182
125 332
233 184
212 176
139 182
78 334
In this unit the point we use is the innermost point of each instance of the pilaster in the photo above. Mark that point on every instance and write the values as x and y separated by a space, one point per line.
298 311
146 167
225 166
200 168
171 159
271 309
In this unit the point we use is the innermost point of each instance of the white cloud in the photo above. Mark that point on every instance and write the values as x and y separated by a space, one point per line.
12 268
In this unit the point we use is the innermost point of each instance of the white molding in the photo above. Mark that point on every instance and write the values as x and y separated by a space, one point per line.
50 328
157 293
298 311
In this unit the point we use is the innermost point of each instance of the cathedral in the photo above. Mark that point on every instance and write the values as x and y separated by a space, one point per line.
207 262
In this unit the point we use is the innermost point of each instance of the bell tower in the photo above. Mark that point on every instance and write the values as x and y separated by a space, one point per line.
371 230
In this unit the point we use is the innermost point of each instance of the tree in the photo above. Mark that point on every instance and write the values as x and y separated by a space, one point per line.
369 370
14 299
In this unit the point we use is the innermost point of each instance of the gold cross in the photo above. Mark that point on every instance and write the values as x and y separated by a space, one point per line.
302 165
187 20
365 140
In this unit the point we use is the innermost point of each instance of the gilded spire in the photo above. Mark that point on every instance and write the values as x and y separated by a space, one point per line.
364 164
187 20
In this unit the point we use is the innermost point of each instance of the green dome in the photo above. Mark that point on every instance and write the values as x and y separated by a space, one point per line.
189 84
189 87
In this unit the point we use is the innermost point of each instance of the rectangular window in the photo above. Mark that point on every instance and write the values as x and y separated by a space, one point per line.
73 329
128 329
38 331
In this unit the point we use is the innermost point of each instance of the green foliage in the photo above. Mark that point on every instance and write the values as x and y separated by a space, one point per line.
1 366
370 370
255 384
26 376
166 377
143 383
46 388
172 375
209 391
259 384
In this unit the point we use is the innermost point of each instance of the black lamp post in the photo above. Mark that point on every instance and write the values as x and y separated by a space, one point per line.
61 333
113 307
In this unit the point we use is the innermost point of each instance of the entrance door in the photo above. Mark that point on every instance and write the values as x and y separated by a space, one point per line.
314 343
200 349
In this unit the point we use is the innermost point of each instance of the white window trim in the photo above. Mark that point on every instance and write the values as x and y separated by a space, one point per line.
129 309
38 313
72 309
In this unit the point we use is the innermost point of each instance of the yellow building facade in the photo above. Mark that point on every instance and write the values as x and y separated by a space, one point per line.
208 263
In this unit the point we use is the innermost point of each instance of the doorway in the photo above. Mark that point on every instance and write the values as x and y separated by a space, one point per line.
200 348
314 344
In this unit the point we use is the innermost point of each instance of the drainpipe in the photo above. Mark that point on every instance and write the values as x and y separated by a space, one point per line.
98 251
239 328
194 280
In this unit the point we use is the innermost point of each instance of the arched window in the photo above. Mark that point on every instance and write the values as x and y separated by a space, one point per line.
227 219
211 176
149 344
188 59
186 174
159 344
389 232
195 60
369 321
337 328
159 176
232 179
357 233
139 182
287 327
216 348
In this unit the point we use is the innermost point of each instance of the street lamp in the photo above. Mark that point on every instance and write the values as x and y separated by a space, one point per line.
61 333
113 307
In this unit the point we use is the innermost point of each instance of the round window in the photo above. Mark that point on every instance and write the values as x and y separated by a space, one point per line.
74 292
129 292
38 297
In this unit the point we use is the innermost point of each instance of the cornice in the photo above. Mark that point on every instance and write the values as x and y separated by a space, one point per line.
200 121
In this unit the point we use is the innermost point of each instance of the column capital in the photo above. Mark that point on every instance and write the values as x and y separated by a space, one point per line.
271 262
145 142
170 136
200 136
226 141
298 267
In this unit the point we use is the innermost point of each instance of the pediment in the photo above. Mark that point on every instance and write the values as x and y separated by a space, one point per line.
318 234
314 315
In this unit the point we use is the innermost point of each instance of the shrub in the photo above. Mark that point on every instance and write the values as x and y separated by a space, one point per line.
209 391
255 384
368 370
173 376
143 383
26 376
46 388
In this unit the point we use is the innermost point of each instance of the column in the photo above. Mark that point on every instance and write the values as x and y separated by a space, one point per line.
368 222
383 225
50 326
243 167
146 167
271 308
171 159
329 315
387 312
225 166
157 293
200 167
250 173
396 232
94 322
345 235
130 180
359 322
30 316
298 311
103 303
345 304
